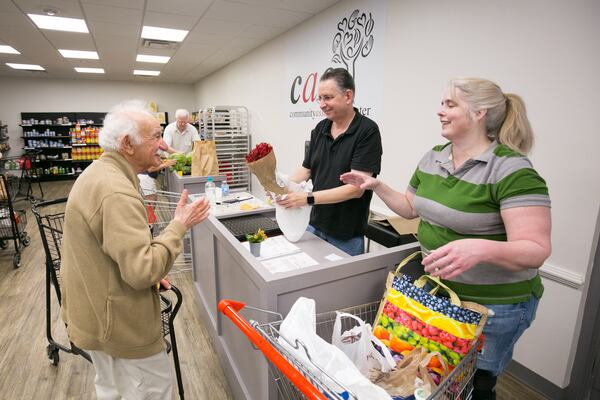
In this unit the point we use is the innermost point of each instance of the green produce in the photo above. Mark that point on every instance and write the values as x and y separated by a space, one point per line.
183 162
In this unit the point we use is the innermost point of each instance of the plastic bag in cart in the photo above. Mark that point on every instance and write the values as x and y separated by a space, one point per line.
300 326
357 344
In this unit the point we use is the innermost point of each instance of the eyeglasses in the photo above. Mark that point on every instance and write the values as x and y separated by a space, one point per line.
329 98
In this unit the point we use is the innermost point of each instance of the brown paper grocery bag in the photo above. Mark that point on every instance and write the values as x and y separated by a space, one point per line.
204 158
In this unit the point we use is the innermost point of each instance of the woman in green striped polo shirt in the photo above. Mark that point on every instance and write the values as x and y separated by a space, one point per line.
485 214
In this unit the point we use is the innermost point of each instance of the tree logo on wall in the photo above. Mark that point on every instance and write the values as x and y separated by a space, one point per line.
353 39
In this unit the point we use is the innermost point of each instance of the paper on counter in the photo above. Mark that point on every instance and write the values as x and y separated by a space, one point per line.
274 246
333 257
289 263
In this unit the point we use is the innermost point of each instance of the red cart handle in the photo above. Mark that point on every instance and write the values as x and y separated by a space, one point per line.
230 308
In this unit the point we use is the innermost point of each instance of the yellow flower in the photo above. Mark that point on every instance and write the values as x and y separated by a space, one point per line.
257 237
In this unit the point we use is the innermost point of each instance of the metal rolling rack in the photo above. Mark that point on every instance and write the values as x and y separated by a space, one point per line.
228 127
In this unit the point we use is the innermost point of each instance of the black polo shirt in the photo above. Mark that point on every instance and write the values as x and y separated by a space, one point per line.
358 148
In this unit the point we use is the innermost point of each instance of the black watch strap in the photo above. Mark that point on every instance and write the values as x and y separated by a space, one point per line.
310 199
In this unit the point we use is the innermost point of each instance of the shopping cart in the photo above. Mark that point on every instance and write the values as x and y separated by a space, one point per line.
160 212
12 221
24 174
50 218
296 381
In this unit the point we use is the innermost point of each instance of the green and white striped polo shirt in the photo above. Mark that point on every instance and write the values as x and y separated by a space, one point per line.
466 203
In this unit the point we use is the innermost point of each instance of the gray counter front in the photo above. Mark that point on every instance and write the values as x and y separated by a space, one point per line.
224 269
194 184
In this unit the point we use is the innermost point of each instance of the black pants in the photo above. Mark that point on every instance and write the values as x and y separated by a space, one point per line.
484 385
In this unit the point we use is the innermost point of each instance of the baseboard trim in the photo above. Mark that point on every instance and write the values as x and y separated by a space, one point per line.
562 275
536 382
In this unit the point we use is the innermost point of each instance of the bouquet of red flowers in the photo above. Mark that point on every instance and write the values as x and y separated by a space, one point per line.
261 150
261 162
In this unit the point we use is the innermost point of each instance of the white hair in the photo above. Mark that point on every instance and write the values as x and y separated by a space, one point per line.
182 112
119 123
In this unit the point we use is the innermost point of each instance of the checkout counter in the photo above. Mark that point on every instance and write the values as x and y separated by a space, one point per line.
224 268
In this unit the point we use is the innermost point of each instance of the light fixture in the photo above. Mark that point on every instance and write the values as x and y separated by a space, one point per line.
88 55
144 72
50 11
84 70
152 59
59 23
171 35
4 48
29 67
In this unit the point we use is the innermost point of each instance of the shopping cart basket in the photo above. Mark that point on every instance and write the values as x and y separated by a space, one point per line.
160 212
295 381
24 175
12 221
50 217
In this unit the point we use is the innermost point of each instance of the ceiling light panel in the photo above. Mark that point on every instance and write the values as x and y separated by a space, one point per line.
59 23
87 55
29 67
145 72
4 48
172 35
152 59
84 70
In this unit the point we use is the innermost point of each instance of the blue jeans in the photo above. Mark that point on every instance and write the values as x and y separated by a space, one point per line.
502 330
354 246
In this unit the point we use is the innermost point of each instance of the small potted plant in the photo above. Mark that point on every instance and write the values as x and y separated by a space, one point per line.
255 239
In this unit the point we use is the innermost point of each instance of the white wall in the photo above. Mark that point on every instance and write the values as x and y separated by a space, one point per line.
546 51
50 95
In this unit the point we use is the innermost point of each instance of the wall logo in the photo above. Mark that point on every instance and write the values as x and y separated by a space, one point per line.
353 39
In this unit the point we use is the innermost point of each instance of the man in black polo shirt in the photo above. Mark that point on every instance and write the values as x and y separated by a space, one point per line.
344 141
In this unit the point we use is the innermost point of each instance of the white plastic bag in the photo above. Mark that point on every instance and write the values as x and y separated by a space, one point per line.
357 344
299 326
293 221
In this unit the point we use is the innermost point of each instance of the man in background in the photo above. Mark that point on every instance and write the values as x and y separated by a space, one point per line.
180 135
111 264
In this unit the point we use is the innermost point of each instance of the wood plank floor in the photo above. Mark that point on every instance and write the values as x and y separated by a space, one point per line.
25 369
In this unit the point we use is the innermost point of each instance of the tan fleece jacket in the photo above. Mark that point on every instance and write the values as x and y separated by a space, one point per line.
111 263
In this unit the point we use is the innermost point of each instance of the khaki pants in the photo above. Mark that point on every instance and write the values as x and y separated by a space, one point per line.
132 379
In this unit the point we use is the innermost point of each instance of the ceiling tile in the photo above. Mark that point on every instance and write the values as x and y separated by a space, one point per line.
183 7
65 8
7 6
309 6
209 25
118 15
15 19
135 4
208 38
262 32
70 40
173 21
109 28
257 15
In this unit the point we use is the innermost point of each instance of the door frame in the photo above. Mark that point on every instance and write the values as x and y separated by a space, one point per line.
585 369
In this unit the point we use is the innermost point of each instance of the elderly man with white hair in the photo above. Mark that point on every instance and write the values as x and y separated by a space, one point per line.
180 135
111 264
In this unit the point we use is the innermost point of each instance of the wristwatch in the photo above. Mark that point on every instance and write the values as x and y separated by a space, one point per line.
310 199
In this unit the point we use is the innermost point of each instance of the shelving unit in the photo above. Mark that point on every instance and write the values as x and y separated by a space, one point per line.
228 127
60 145
4 146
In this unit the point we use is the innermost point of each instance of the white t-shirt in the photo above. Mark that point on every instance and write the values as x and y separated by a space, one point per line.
180 141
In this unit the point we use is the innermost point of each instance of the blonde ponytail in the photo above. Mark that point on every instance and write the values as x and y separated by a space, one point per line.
516 131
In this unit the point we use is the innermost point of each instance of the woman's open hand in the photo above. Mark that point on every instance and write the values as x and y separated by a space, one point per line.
359 180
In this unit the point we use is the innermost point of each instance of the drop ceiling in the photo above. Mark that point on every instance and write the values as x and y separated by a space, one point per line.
220 31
